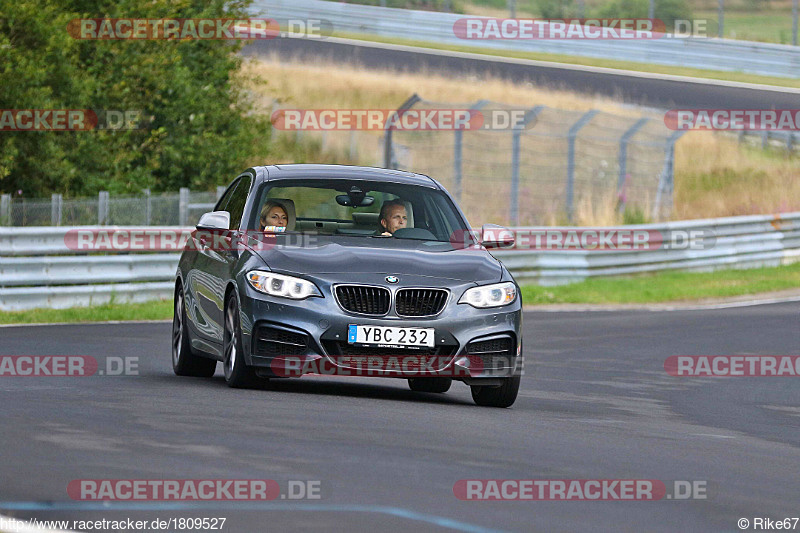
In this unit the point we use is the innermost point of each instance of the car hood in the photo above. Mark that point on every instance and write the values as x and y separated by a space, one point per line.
384 256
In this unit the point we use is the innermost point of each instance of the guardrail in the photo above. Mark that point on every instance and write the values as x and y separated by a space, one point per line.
739 242
706 53
38 269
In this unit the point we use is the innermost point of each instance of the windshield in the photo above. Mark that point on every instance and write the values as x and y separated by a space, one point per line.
356 208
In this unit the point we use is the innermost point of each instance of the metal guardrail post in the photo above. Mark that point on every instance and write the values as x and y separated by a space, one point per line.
183 206
666 182
148 207
623 157
102 208
55 209
515 149
221 191
5 210
388 148
458 138
571 137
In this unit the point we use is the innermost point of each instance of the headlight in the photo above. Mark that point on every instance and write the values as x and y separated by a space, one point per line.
280 285
490 295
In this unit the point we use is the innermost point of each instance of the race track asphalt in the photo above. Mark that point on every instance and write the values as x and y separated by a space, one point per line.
595 403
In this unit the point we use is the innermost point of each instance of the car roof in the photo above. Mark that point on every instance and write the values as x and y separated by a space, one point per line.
307 171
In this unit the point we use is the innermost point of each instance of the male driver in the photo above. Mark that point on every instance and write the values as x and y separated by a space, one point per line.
393 216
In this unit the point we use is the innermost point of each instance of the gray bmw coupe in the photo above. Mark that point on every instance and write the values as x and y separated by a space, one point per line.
345 270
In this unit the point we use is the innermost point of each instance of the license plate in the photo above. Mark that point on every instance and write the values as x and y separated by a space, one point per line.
390 336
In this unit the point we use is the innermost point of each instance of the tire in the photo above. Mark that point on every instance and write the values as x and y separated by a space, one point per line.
184 362
237 374
430 384
502 396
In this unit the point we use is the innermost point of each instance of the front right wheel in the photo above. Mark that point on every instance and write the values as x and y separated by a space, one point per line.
237 374
503 396
184 362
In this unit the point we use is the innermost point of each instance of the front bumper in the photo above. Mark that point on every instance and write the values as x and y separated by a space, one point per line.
288 338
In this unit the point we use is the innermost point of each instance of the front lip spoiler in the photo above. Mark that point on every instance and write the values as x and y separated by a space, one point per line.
458 368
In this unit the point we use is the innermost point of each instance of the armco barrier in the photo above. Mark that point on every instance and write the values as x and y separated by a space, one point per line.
705 53
37 269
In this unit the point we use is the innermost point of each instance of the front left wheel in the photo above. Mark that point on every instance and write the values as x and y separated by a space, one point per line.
184 362
237 374
502 396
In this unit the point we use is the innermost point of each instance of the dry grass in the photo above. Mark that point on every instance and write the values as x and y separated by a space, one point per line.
714 175
325 85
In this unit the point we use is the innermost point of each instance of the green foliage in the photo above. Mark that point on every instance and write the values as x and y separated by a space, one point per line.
634 215
667 10
557 9
197 132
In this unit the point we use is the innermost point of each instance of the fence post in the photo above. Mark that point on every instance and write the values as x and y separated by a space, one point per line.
388 149
5 210
353 146
183 206
102 208
457 151
275 108
666 179
519 127
571 137
148 208
623 158
55 209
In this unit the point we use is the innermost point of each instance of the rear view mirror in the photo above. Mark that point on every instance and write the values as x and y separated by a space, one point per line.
215 220
348 200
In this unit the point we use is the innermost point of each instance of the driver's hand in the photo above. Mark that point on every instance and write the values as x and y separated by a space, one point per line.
386 234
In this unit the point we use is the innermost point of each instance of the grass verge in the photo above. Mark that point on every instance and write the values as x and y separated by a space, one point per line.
667 287
156 310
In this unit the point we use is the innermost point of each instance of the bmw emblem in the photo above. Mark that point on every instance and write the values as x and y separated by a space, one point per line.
392 279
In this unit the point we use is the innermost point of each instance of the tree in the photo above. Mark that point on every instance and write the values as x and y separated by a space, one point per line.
196 128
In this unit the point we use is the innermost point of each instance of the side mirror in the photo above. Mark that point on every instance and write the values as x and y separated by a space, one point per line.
215 220
494 236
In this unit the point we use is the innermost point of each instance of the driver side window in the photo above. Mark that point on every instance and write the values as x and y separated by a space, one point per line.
237 202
